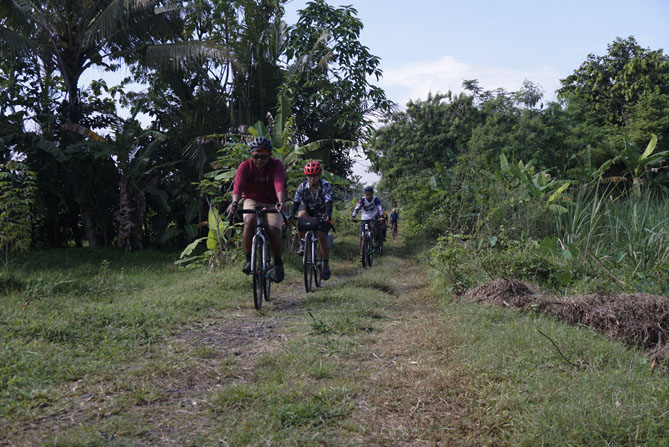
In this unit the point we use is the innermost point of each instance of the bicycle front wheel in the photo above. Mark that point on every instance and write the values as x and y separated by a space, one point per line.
363 251
258 272
307 262
267 279
370 251
318 262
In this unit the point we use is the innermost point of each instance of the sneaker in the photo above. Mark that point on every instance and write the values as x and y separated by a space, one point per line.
326 272
247 268
278 273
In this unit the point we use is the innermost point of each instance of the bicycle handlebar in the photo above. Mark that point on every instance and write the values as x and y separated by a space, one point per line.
259 210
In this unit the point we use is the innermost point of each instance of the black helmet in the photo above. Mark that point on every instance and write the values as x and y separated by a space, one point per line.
260 143
368 189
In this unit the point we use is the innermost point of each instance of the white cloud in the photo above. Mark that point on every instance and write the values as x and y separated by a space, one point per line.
416 80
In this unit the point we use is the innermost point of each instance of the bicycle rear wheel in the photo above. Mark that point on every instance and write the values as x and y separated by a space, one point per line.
258 272
307 262
318 263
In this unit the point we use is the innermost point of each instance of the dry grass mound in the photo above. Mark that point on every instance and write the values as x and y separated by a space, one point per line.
638 319
503 291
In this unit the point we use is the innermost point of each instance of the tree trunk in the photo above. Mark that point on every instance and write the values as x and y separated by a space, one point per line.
124 215
89 226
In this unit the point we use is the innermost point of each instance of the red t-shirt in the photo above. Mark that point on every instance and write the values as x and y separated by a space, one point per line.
260 186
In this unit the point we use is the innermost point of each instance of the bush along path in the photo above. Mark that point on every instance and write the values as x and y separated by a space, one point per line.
378 357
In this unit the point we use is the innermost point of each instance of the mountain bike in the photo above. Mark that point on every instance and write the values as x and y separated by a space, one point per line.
312 258
366 246
393 229
379 240
262 267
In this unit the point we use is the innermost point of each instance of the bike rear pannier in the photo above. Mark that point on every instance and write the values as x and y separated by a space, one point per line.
307 223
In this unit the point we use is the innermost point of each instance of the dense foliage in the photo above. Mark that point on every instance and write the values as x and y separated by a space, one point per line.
570 192
210 70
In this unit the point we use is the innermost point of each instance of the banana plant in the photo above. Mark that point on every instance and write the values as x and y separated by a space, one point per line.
132 148
541 186
638 164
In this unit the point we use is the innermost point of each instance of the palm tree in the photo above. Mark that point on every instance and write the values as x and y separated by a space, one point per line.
75 35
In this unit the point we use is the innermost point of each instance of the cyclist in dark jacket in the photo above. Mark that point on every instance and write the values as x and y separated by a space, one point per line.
312 198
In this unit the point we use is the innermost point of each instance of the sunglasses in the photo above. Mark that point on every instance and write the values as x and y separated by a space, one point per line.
260 156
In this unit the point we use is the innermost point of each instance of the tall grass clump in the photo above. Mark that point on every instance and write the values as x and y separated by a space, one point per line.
638 228
623 233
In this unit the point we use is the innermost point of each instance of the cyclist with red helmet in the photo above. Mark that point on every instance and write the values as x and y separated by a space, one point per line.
312 198
261 179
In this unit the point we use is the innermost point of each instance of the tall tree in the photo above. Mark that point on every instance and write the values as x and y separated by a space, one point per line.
612 84
329 73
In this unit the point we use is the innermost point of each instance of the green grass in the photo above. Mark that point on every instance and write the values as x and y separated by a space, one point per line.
333 353
526 394
84 311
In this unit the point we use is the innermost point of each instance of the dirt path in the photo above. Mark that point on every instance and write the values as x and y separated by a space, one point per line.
165 398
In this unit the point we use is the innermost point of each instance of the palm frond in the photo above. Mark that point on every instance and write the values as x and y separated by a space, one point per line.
106 23
14 44
177 54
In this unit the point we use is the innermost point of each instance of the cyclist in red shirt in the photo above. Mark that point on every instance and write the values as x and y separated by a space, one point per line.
261 180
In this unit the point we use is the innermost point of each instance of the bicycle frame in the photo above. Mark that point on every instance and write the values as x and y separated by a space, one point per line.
261 264
312 260
366 248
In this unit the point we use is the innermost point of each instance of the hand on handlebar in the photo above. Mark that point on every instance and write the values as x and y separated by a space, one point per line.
351 219
231 209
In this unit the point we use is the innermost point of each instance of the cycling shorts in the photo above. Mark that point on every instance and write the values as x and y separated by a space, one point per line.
371 222
272 219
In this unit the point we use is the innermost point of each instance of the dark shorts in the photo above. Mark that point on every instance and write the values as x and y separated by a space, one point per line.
371 222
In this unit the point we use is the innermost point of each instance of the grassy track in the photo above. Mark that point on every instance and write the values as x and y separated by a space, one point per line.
105 349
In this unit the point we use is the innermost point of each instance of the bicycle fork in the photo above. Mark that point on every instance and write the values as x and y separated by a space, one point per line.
265 265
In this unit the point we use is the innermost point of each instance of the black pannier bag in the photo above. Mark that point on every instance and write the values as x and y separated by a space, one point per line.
307 223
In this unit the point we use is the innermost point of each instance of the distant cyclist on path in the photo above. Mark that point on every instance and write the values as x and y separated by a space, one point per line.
261 180
372 211
312 198
394 220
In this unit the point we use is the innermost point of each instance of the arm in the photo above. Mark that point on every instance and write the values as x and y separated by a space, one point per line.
280 182
296 200
238 188
328 194
356 209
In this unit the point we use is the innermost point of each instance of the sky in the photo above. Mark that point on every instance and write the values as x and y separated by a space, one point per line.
433 45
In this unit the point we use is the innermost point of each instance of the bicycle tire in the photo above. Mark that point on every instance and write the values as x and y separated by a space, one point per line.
394 230
318 263
268 269
258 272
306 263
370 251
363 251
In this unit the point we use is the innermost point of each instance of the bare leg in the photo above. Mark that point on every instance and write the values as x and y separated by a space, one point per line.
325 249
249 231
275 242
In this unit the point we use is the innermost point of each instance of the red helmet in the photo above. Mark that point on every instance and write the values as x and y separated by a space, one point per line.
312 168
